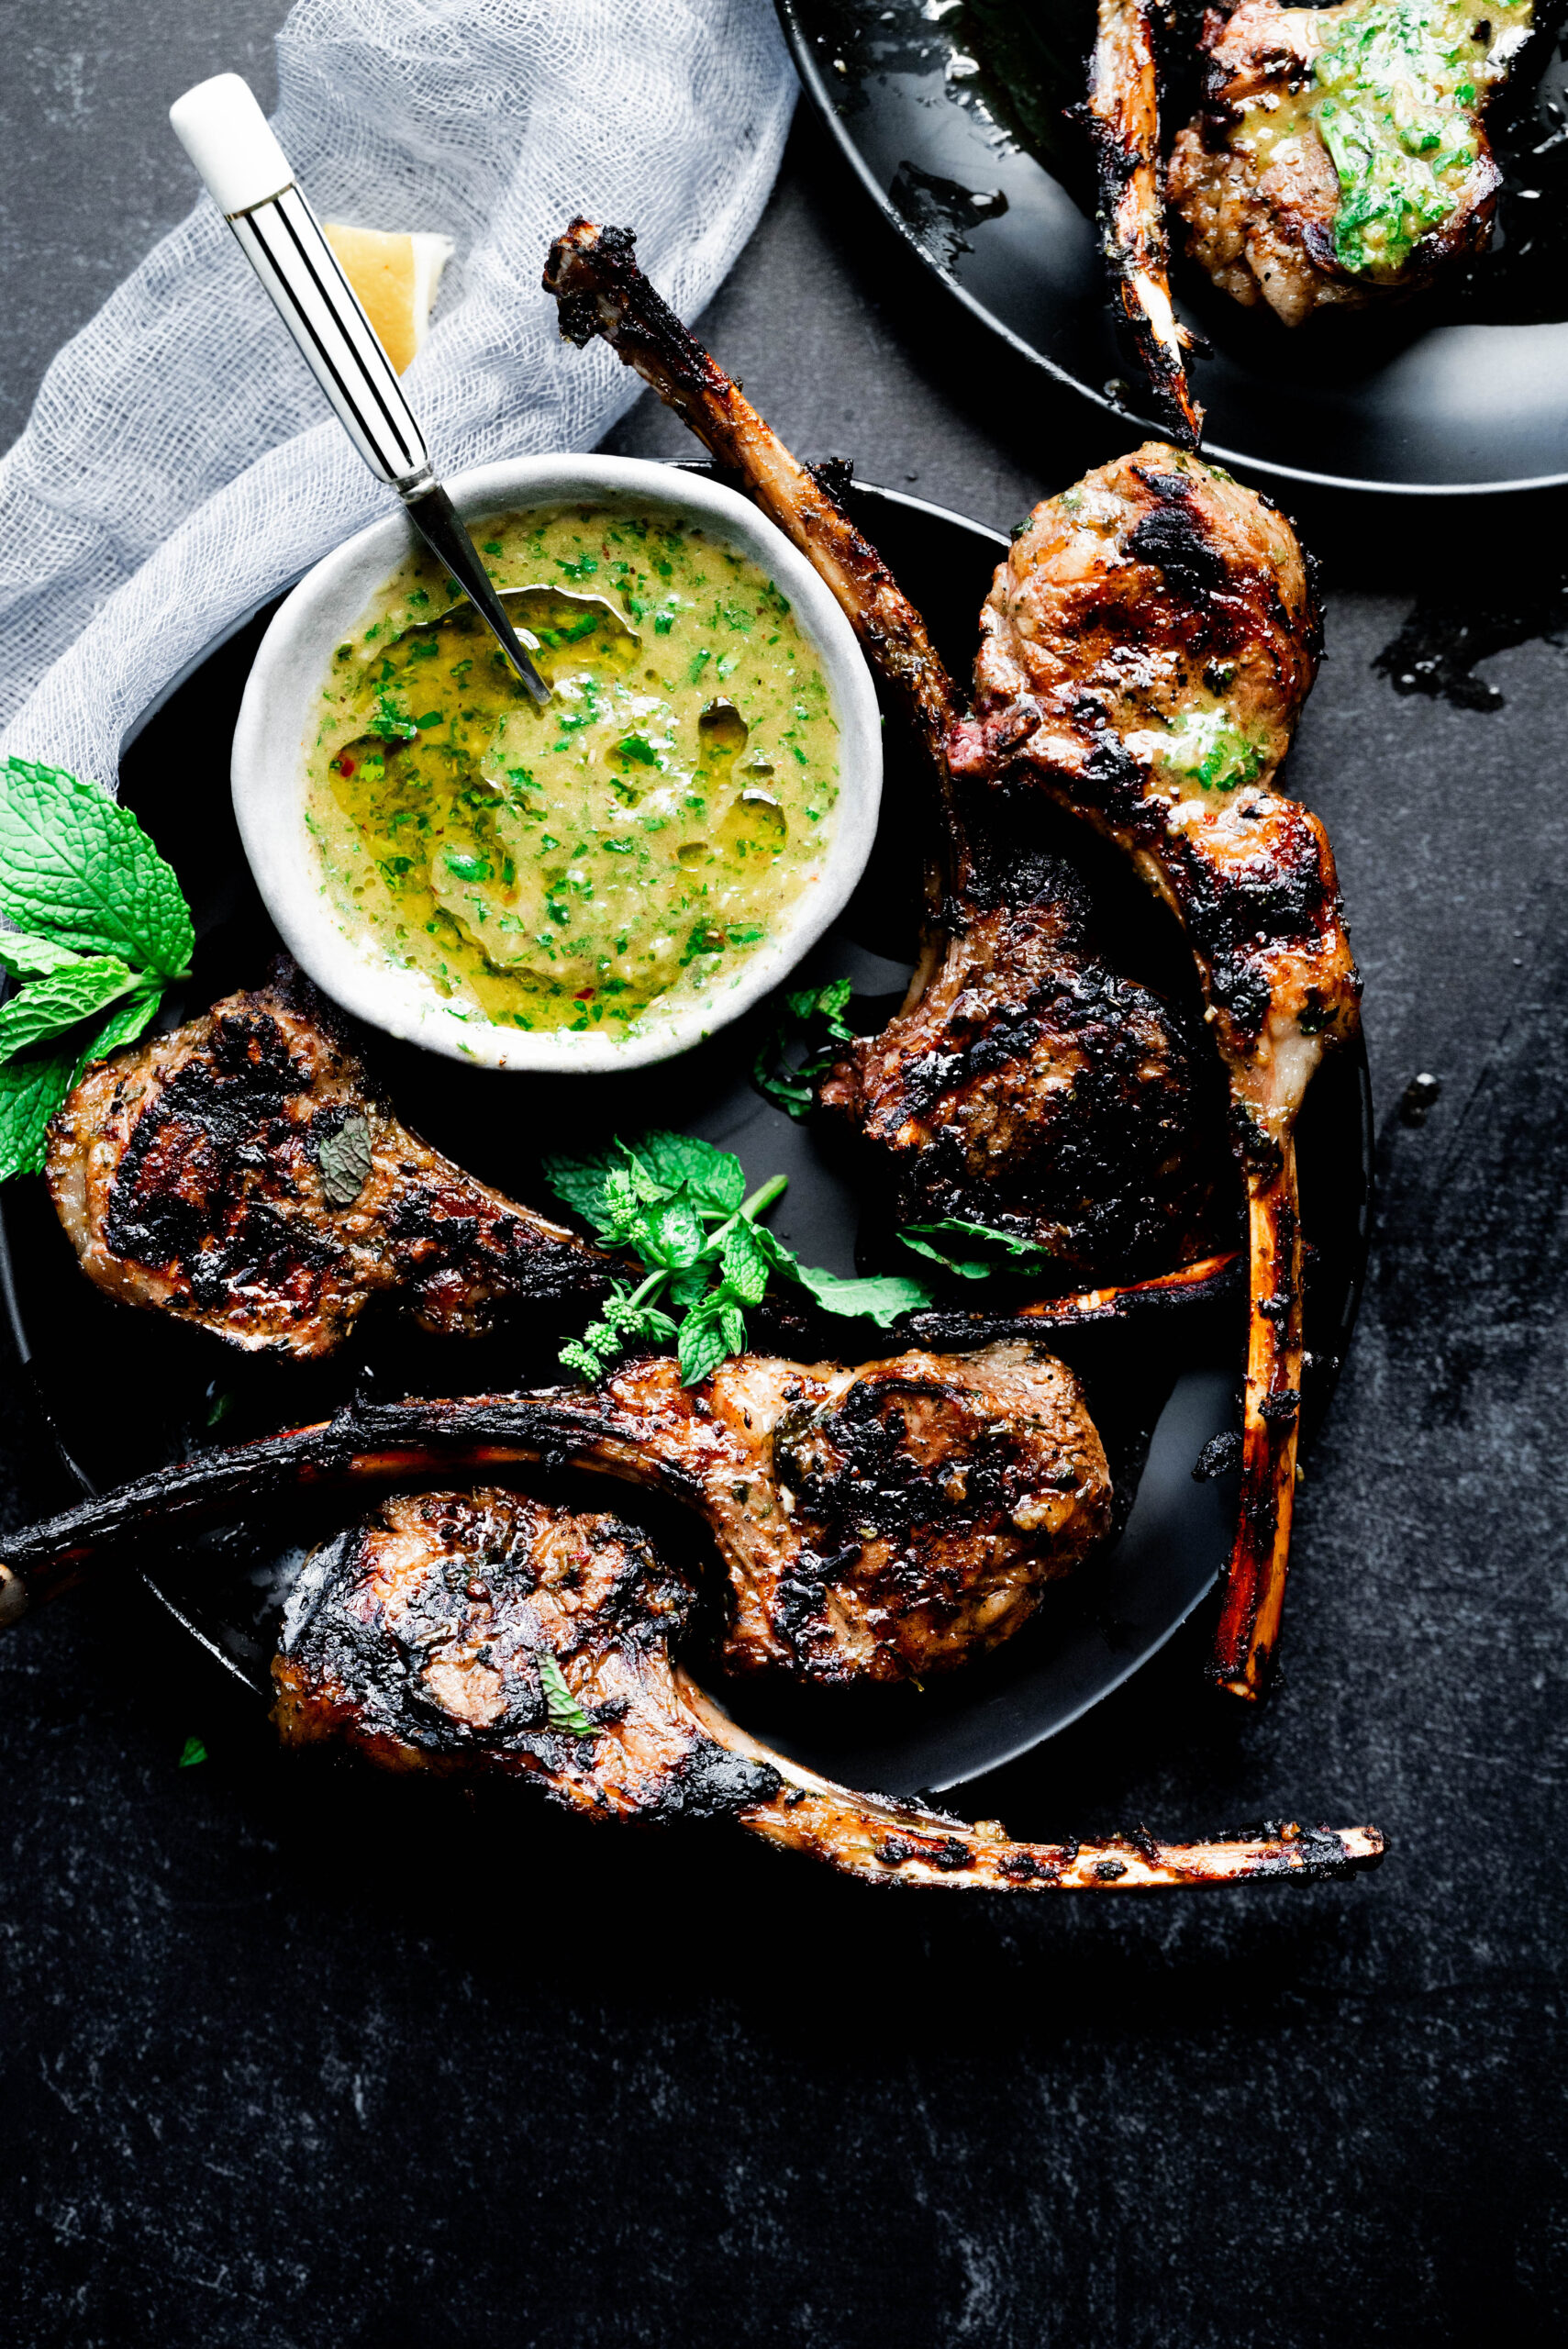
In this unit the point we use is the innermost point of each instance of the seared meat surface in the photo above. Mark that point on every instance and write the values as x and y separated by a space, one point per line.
424 1636
1027 1085
244 1174
1035 1089
1145 652
876 1524
484 1634
1340 155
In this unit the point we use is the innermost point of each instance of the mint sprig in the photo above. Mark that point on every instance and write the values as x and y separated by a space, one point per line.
812 1017
100 927
679 1206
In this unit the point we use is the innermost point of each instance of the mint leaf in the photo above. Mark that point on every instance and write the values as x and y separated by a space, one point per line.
670 1236
579 1182
968 1268
715 1178
31 1091
1026 1257
123 1026
50 1005
561 1706
743 1262
710 1332
345 1162
813 1016
191 1752
880 1300
24 957
80 870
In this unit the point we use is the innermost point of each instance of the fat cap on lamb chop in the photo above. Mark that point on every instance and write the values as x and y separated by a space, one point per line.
483 1634
1146 650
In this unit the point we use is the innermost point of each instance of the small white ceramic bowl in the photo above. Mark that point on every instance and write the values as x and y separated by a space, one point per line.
277 721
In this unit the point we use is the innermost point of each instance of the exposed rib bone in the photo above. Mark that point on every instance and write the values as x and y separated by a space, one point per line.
1124 114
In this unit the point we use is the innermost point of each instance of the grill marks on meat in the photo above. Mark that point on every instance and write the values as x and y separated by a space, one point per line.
1155 611
877 1524
1153 608
417 1638
1256 185
1032 1087
243 1174
998 1094
1124 123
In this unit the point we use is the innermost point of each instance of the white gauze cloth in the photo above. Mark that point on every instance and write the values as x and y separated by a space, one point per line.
181 465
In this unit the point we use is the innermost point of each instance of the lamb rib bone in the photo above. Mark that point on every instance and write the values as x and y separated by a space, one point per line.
1124 120
1025 1085
421 1638
1183 606
875 1525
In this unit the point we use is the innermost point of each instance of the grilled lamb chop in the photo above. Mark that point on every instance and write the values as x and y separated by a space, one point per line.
481 1634
875 1525
1026 1085
1342 156
1145 652
244 1174
1124 121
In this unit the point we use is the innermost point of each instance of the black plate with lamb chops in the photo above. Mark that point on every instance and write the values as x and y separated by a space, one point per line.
125 1392
961 120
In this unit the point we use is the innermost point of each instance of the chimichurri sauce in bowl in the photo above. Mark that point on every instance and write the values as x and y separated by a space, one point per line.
600 883
627 846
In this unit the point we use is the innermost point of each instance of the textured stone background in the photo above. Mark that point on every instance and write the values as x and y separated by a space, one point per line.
289 2062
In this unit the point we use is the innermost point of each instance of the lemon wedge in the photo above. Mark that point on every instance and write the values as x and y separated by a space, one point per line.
395 276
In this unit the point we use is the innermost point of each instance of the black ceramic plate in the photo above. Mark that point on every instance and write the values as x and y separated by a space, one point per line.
952 113
125 1391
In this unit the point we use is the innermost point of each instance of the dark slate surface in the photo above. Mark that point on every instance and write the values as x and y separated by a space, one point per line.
291 2059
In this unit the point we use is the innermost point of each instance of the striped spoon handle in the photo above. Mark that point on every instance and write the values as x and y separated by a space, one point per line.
230 141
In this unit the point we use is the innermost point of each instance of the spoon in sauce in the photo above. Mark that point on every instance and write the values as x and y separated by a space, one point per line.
230 141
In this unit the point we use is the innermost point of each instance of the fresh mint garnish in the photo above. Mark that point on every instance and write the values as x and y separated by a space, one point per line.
812 1017
1020 1257
345 1162
679 1206
562 1710
101 927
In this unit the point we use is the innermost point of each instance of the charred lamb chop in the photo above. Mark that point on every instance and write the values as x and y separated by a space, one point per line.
244 1174
1026 1085
1124 122
875 1525
1146 650
481 1634
1342 156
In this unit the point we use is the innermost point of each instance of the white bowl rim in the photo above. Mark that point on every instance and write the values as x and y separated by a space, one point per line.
268 766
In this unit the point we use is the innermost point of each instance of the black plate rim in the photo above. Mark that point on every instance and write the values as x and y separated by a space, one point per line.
1134 1660
821 97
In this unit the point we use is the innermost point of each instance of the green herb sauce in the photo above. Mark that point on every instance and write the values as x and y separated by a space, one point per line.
628 846
1398 83
1393 94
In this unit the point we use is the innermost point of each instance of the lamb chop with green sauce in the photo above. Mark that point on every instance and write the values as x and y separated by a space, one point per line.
1341 155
